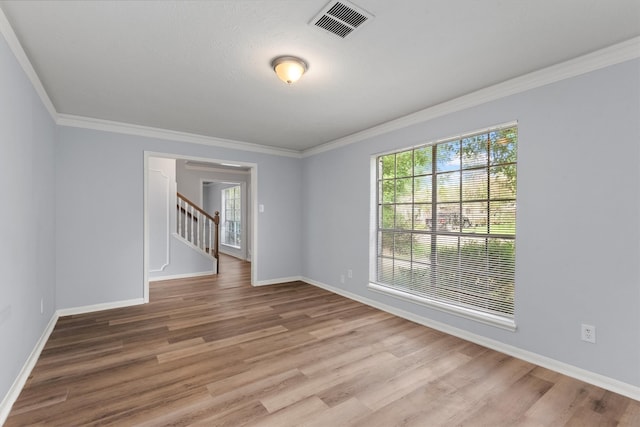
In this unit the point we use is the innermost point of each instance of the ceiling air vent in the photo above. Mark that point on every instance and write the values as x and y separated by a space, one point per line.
340 18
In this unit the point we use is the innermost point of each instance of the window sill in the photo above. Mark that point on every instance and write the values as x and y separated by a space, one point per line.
230 246
485 318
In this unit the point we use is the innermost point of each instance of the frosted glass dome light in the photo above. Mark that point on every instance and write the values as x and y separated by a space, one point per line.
289 69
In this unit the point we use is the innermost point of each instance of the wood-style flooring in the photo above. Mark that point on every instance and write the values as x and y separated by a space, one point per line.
215 351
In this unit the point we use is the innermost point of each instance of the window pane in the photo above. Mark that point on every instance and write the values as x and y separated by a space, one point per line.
448 156
388 166
388 213
386 243
421 278
448 216
385 270
501 282
231 216
502 218
422 248
503 146
402 274
422 216
404 216
474 217
474 184
404 164
503 182
388 191
402 246
422 189
447 251
448 187
474 151
404 190
423 163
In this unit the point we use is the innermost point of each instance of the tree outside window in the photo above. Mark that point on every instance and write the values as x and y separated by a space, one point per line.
446 224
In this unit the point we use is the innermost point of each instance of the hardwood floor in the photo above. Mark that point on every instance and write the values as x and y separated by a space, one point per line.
214 351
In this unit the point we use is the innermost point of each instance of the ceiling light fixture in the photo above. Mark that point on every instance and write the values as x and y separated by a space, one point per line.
289 68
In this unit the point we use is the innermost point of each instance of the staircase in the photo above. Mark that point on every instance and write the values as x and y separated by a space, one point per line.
198 228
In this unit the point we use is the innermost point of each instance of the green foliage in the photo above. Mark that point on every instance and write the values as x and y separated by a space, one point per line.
485 164
397 184
422 161
452 284
388 166
504 149
404 164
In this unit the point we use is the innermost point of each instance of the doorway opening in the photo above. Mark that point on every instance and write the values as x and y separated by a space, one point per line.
230 198
198 178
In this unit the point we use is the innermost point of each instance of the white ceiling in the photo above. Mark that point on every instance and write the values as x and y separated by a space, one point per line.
203 67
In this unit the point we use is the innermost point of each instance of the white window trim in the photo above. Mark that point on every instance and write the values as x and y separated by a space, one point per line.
230 246
467 313
481 317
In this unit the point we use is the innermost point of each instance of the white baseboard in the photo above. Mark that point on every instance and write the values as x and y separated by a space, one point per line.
277 281
98 307
15 389
181 276
598 380
13 393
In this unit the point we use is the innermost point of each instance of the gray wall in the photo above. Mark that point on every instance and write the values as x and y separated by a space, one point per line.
211 201
27 194
578 217
169 255
107 170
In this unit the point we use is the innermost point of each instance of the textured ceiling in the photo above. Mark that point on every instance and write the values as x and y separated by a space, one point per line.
203 67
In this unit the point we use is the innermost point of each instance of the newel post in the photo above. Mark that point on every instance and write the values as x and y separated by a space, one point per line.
216 242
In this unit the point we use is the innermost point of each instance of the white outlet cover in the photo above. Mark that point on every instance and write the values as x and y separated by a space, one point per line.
588 333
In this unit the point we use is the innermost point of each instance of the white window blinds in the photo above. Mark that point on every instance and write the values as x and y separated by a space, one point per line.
446 223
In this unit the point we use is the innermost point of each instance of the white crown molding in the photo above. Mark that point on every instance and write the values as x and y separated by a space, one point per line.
171 135
110 126
602 58
611 55
581 374
12 41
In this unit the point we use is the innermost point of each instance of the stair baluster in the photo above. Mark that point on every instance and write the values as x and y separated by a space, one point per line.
199 228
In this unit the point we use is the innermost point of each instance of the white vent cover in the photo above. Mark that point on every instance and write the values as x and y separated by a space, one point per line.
341 18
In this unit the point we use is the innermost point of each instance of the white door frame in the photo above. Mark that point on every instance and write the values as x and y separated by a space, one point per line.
253 205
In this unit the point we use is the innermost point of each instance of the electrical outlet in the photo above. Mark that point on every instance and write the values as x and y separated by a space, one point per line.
342 279
350 274
41 305
588 333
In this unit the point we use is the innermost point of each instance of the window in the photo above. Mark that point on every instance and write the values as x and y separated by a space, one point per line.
231 212
446 225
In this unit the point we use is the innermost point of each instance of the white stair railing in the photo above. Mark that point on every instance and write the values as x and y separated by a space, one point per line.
198 227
